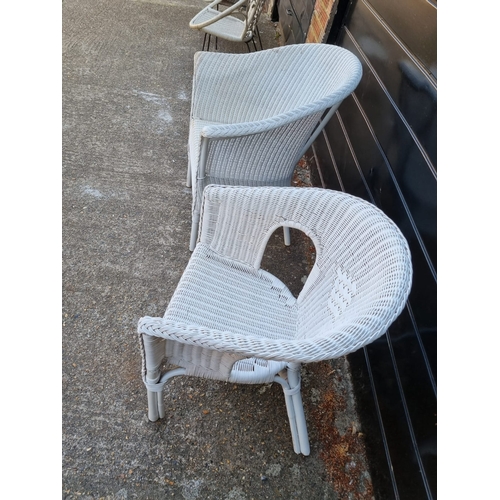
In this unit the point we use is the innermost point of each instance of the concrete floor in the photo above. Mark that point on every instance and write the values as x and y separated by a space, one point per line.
127 70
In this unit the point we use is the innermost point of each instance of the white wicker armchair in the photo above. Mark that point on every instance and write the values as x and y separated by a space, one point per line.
230 320
235 23
254 115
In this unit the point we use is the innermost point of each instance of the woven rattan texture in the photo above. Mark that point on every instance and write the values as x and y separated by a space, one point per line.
358 286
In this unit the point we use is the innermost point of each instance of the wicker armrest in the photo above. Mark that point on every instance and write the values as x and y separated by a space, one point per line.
207 338
228 342
338 342
226 131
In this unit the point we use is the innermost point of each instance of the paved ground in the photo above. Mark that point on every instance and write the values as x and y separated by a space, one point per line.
127 69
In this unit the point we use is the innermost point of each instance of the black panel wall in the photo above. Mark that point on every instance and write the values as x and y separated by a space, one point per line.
381 146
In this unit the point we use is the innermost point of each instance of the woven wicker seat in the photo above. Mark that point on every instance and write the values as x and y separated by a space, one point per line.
230 320
254 115
237 22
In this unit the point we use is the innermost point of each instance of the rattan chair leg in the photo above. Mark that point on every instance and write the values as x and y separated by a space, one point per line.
291 413
188 176
156 407
154 351
153 410
294 381
286 235
194 231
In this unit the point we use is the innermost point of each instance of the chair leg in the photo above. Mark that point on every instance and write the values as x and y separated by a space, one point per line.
293 374
194 231
286 235
188 178
291 414
204 40
156 408
295 409
154 352
154 380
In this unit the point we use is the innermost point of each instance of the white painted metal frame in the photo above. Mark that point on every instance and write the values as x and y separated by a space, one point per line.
230 320
235 23
253 116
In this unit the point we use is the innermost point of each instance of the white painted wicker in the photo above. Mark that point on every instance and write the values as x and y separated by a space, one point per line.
254 115
235 23
230 320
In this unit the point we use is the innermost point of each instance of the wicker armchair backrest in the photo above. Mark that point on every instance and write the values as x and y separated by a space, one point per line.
362 273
